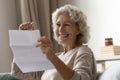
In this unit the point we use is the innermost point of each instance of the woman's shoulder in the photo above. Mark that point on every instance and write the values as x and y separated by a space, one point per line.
84 49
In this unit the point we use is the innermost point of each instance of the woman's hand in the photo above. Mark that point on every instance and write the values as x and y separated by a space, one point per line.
26 26
45 45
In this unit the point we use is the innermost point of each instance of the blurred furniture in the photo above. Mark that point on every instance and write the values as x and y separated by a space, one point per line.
6 76
111 73
103 60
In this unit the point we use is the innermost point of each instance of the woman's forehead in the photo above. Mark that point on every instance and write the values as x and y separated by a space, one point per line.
64 17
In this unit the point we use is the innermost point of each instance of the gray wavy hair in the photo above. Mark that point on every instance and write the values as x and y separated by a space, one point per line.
78 17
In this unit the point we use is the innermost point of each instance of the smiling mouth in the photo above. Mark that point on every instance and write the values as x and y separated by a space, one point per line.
63 35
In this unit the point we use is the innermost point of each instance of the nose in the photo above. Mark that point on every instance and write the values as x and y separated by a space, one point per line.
61 28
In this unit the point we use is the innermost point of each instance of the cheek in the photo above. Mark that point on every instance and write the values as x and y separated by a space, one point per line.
74 32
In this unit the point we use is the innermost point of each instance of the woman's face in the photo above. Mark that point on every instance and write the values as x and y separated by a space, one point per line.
65 29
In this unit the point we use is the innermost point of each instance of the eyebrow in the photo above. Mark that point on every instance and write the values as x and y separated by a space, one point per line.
66 22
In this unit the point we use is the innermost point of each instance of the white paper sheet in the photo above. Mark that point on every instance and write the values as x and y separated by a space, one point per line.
27 56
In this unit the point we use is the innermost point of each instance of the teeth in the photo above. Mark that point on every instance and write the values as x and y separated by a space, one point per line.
63 35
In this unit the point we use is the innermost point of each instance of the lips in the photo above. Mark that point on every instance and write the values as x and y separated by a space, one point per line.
62 36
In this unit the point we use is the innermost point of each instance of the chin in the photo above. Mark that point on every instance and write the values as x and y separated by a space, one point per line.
62 41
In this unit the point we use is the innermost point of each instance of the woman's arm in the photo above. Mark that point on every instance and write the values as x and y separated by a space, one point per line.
61 67
47 48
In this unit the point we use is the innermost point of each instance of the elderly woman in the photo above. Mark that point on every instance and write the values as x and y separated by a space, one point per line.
77 61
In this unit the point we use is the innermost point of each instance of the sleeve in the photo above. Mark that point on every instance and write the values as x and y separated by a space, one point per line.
84 66
17 73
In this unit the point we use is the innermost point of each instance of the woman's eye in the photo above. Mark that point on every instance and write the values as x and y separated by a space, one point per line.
66 24
58 25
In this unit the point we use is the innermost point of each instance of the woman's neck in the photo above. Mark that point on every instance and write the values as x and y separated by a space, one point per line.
69 47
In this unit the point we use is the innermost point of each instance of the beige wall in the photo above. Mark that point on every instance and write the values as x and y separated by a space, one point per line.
7 21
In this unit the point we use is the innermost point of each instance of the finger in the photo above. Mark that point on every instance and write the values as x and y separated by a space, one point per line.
42 43
42 39
21 28
38 44
32 22
26 26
